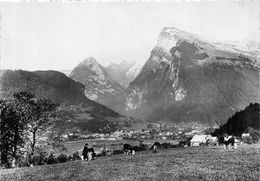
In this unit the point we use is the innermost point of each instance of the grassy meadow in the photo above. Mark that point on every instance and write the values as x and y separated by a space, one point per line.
190 163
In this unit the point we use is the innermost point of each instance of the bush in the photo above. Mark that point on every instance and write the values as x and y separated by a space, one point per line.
39 160
182 143
144 146
103 153
253 137
76 156
117 152
254 134
62 158
51 159
166 145
70 158
247 139
209 131
138 148
22 162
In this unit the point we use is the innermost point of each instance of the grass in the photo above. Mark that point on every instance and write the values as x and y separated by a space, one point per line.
191 163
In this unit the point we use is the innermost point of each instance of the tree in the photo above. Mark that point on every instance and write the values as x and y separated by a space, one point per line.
23 121
11 131
209 131
242 122
39 115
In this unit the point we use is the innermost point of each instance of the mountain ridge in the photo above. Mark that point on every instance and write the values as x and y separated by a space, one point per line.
189 79
76 111
119 72
99 86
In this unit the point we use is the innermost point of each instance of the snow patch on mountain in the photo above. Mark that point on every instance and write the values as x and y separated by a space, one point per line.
166 42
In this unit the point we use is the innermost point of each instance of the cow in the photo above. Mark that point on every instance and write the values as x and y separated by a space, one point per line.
155 146
229 141
88 153
128 149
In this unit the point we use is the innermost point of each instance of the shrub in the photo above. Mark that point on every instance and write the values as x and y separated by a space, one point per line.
254 134
253 138
137 148
117 152
166 145
22 162
76 156
185 142
144 146
51 159
70 158
103 153
39 160
247 139
62 158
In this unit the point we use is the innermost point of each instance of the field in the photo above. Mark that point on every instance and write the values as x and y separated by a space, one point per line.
190 163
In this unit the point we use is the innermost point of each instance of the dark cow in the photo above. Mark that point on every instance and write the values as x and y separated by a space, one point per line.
155 146
88 153
128 149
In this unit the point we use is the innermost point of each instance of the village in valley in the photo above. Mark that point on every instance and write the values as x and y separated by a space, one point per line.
182 136
155 131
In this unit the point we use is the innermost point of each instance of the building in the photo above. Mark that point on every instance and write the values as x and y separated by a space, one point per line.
244 135
198 140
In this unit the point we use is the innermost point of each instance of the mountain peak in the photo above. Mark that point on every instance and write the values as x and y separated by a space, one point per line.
186 78
169 36
172 29
122 63
89 61
99 86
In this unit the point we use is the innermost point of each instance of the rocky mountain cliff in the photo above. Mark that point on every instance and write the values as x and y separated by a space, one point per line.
99 86
188 79
76 111
132 73
118 72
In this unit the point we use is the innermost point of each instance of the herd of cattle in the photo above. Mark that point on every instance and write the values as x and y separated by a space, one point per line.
89 154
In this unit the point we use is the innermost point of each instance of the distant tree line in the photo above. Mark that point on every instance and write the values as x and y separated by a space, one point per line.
245 121
24 123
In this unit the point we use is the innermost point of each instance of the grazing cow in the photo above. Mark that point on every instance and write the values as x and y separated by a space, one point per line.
229 141
88 153
155 146
91 154
128 149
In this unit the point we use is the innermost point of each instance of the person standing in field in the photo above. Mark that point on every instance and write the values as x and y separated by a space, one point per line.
85 152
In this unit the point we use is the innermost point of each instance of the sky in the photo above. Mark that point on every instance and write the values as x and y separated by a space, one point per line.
58 36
